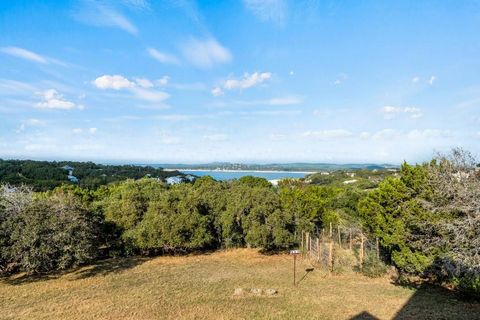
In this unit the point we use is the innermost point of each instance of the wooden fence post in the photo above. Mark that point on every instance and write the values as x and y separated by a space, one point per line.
303 248
339 236
378 248
361 251
318 248
307 238
330 230
330 256
350 238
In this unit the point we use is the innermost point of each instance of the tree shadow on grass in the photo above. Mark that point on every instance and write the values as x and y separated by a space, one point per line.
99 268
105 267
431 302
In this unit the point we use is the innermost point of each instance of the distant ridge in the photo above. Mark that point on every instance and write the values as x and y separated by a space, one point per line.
300 166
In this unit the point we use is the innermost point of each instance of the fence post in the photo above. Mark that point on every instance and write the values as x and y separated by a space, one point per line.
361 251
318 248
330 256
378 248
350 238
307 238
339 236
303 247
330 230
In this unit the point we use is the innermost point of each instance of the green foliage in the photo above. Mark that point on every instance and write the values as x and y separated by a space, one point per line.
46 234
45 175
373 267
468 286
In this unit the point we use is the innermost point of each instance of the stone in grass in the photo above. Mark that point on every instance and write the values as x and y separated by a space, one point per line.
256 291
271 292
238 292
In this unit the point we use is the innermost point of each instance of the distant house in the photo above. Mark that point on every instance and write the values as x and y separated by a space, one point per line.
349 181
69 169
72 178
189 177
174 180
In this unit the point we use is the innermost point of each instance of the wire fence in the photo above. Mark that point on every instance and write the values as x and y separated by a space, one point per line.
339 247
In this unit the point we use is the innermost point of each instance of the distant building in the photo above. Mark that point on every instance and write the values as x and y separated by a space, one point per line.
72 178
174 180
189 177
350 181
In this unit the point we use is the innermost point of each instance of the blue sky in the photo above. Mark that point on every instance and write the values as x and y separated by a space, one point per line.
248 81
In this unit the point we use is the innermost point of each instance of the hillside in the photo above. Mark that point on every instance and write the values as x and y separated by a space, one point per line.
202 286
46 175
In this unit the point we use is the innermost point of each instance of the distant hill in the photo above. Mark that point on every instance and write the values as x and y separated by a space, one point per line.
46 175
311 167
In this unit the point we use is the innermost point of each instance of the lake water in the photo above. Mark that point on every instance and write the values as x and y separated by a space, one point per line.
228 175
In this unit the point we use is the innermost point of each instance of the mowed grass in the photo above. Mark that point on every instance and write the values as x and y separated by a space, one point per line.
202 286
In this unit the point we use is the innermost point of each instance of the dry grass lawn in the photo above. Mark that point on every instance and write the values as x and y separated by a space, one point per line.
201 287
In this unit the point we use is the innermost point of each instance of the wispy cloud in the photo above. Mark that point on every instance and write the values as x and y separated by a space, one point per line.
105 16
333 134
30 55
432 80
141 88
389 112
216 137
278 101
268 10
341 78
247 81
205 53
163 57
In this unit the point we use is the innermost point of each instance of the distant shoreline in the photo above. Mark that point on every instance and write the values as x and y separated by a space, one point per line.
232 170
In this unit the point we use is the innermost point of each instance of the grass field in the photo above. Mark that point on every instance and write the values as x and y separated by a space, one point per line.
202 287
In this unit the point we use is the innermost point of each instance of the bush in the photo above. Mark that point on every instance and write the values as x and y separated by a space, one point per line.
468 286
47 233
373 267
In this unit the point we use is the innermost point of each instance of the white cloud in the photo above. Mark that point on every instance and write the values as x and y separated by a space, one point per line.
162 56
30 123
385 134
115 82
216 137
428 134
389 112
205 53
217 91
150 95
365 135
416 79
163 81
248 80
279 101
328 134
29 55
432 80
80 130
104 16
54 100
144 83
24 54
268 10
342 77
